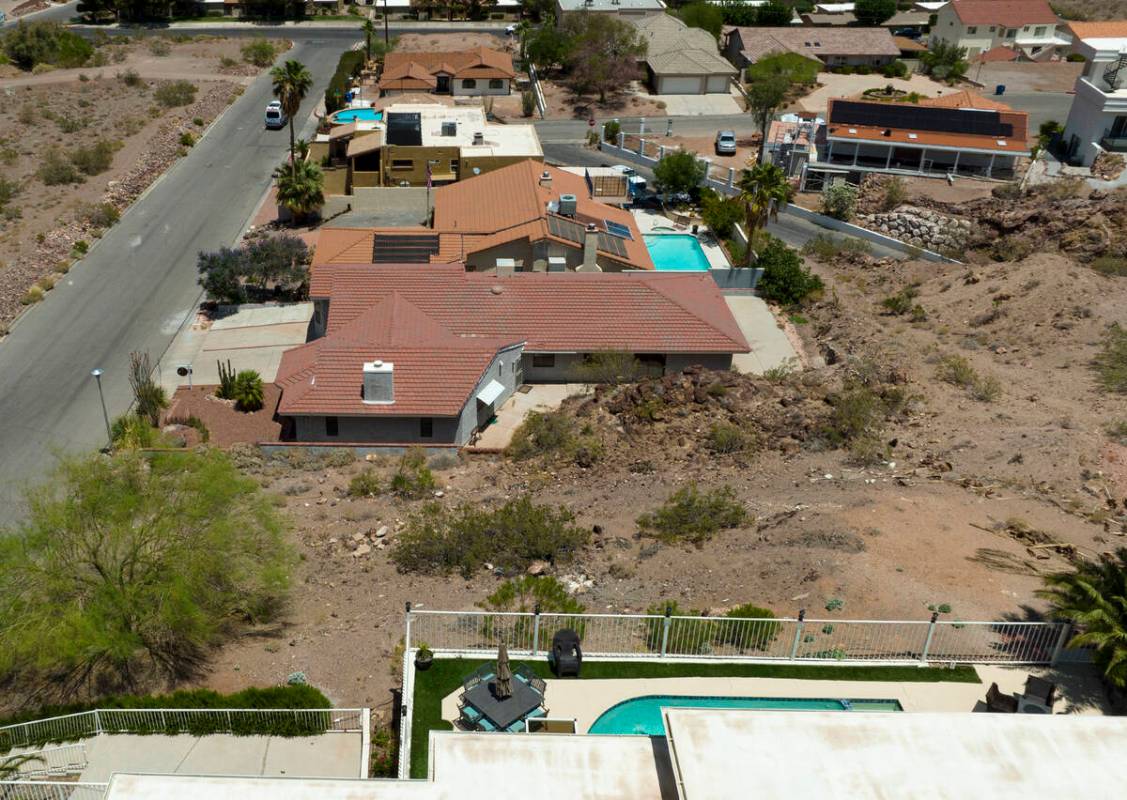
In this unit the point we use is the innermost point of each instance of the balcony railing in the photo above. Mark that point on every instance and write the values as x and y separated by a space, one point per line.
1114 144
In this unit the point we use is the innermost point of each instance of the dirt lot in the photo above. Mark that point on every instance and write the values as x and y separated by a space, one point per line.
1052 76
438 42
1089 9
61 111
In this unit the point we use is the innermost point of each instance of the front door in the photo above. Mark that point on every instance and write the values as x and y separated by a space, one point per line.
442 84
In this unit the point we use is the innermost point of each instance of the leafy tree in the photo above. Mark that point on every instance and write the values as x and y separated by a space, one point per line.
792 67
32 43
221 275
603 53
548 46
773 15
369 27
1094 597
785 279
679 171
300 188
292 82
538 10
945 61
770 80
720 213
276 260
130 566
705 16
871 13
97 10
763 190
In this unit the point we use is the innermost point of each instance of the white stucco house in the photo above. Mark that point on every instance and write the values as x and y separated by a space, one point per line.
1029 27
1097 121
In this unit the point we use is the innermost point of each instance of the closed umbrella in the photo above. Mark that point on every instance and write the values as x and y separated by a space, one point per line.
504 683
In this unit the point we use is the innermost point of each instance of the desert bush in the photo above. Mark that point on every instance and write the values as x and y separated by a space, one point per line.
839 200
100 215
1011 248
725 438
957 371
148 395
131 431
751 637
437 540
554 434
175 93
785 279
692 515
56 169
721 214
259 52
531 592
32 296
895 193
365 483
1111 362
413 478
187 139
901 302
610 367
159 46
8 190
611 131
32 44
130 78
95 159
825 247
247 391
1105 265
226 62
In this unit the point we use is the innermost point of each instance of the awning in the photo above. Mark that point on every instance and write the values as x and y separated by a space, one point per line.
491 392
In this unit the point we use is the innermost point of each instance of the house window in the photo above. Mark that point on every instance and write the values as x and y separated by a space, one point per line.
426 428
454 165
500 369
332 426
1011 33
402 164
469 83
972 30
993 28
1039 31
544 361
495 83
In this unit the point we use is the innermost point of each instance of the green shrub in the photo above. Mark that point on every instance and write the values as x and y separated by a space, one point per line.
32 296
900 303
724 438
259 52
720 214
8 190
692 515
131 431
437 540
529 592
957 371
611 367
187 139
825 247
175 93
1111 362
543 433
747 636
413 478
130 78
839 200
1076 58
1011 248
56 169
159 46
895 69
31 44
611 131
785 279
247 391
100 215
895 193
365 483
1105 265
95 159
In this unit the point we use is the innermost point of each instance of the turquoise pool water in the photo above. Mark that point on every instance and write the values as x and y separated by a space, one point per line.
357 114
676 251
642 715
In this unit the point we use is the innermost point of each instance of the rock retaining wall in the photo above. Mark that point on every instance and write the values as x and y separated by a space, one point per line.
921 227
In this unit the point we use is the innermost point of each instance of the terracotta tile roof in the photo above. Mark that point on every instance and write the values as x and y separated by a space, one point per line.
964 99
813 42
435 371
1015 144
356 245
410 70
517 198
1010 13
551 312
996 54
1111 29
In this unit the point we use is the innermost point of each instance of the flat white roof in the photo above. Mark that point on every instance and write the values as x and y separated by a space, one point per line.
499 140
772 755
611 5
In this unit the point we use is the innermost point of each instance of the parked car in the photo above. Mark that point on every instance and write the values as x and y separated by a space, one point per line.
275 116
907 33
511 30
726 143
635 182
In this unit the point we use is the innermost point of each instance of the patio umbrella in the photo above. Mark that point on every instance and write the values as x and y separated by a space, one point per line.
504 682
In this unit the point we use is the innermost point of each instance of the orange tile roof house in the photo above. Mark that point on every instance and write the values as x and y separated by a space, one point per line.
413 354
523 217
479 71
1026 26
961 133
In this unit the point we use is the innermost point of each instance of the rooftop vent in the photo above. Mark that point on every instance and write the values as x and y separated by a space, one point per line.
887 132
592 227
379 382
1001 142
913 136
567 205
449 128
496 289
478 137
545 178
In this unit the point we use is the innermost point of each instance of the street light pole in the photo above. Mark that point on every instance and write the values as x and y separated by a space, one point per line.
97 373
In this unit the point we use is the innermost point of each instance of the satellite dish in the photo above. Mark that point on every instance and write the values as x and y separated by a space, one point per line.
184 370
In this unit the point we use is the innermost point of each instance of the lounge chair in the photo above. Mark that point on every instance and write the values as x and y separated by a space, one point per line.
486 725
999 703
469 715
1038 697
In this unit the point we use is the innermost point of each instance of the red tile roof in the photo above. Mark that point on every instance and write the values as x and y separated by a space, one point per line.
996 54
1010 13
964 99
407 70
1110 29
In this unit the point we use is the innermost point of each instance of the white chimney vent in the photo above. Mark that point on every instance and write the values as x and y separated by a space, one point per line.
478 137
546 178
379 382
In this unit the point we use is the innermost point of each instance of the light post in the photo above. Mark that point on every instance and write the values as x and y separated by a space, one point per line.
97 373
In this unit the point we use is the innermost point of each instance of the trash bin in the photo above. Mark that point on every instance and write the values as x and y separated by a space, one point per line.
1000 89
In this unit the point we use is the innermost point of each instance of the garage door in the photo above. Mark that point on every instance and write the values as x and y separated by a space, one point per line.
718 83
690 85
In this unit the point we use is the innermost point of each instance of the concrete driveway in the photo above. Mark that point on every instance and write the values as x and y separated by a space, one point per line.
770 347
698 105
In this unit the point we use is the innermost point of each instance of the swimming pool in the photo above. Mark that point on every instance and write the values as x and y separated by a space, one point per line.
642 715
357 115
676 251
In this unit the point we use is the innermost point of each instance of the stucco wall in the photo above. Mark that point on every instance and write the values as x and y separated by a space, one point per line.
482 88
567 366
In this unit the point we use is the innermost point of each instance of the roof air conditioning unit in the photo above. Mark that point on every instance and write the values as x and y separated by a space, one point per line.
449 128
557 264
479 138
567 205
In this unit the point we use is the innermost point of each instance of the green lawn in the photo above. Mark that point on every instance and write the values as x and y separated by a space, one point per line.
445 676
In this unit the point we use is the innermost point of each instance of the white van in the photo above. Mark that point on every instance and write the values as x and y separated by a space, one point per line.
275 116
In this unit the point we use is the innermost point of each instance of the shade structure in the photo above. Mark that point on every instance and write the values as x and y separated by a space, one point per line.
504 680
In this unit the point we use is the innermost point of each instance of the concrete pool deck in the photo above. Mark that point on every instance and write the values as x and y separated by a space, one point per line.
586 700
653 222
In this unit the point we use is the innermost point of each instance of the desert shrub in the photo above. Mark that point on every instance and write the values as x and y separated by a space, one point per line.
148 395
957 371
692 515
724 438
159 46
365 483
1011 248
839 200
32 296
611 131
130 78
437 540
785 279
31 44
895 193
1117 432
900 303
187 139
95 159
1105 265
610 367
895 69
100 215
757 636
413 478
56 169
542 433
175 93
529 592
131 431
825 247
8 190
247 391
259 52
1111 362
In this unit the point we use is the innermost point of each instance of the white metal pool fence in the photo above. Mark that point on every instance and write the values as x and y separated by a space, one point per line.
71 727
45 790
650 636
68 759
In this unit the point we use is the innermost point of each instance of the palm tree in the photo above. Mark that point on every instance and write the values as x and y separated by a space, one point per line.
292 82
300 188
763 189
10 765
369 28
1094 597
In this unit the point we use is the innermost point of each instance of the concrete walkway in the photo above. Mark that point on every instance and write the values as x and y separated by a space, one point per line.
770 347
332 755
539 397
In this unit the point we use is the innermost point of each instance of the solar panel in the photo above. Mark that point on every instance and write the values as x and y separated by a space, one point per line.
405 248
617 229
404 129
565 229
921 118
610 244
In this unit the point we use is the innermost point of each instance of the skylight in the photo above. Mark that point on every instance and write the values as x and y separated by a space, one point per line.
913 136
1001 142
617 229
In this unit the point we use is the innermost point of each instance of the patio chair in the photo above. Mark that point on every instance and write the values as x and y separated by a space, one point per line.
486 725
1038 697
999 703
539 685
566 657
516 727
470 716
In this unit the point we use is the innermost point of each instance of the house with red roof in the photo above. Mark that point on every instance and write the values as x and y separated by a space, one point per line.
426 355
1028 27
479 71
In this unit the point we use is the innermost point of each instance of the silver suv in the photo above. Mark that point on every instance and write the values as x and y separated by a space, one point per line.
726 143
275 116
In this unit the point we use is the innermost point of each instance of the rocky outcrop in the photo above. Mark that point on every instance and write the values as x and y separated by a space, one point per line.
921 227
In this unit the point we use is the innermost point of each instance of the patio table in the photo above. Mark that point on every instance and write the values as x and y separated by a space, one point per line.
504 712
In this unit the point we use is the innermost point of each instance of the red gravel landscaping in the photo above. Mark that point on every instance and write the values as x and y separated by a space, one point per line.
225 425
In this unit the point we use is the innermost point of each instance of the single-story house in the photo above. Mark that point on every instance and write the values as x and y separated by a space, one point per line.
959 133
525 217
626 9
682 60
412 355
834 47
480 71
